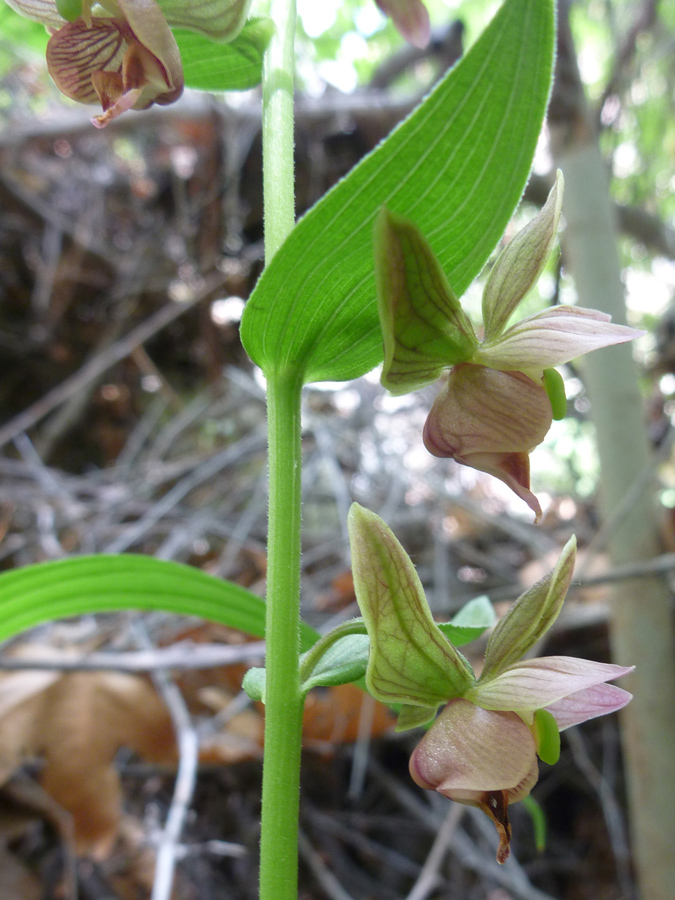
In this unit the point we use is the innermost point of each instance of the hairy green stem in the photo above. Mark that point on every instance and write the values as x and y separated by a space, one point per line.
277 128
284 702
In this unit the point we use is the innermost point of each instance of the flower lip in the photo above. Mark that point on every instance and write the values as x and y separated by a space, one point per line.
126 61
490 420
480 758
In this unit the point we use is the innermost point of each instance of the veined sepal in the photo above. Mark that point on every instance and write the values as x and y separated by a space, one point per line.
424 327
411 661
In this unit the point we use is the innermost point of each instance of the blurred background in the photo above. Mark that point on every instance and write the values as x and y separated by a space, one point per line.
132 421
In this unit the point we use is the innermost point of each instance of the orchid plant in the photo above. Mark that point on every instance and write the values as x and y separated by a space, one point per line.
330 307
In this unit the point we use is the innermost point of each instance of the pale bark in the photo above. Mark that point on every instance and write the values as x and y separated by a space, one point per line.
641 612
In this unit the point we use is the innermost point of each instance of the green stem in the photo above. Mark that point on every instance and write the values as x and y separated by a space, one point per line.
284 702
277 128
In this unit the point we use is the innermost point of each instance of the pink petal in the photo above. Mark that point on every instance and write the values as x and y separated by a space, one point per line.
590 703
534 683
150 29
551 338
511 468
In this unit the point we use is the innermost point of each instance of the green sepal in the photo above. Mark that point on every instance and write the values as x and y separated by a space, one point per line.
470 622
254 683
530 617
554 386
520 264
70 10
547 736
424 327
410 661
414 716
344 662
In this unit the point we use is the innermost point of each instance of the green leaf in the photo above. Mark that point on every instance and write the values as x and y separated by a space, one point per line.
470 622
94 584
236 66
410 660
342 663
457 166
18 33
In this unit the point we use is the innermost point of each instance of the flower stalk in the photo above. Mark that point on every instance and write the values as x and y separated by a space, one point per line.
284 699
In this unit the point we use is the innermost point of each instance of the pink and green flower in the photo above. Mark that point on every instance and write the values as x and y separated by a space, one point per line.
483 748
122 53
495 405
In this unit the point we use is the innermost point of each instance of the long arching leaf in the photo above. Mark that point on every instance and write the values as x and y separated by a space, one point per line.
93 584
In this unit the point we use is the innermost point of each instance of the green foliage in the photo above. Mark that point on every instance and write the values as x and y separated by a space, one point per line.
470 622
94 584
457 166
234 66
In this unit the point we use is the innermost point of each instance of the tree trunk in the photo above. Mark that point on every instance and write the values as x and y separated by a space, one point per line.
641 609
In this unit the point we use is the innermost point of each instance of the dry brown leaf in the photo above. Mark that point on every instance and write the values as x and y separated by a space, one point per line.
77 722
